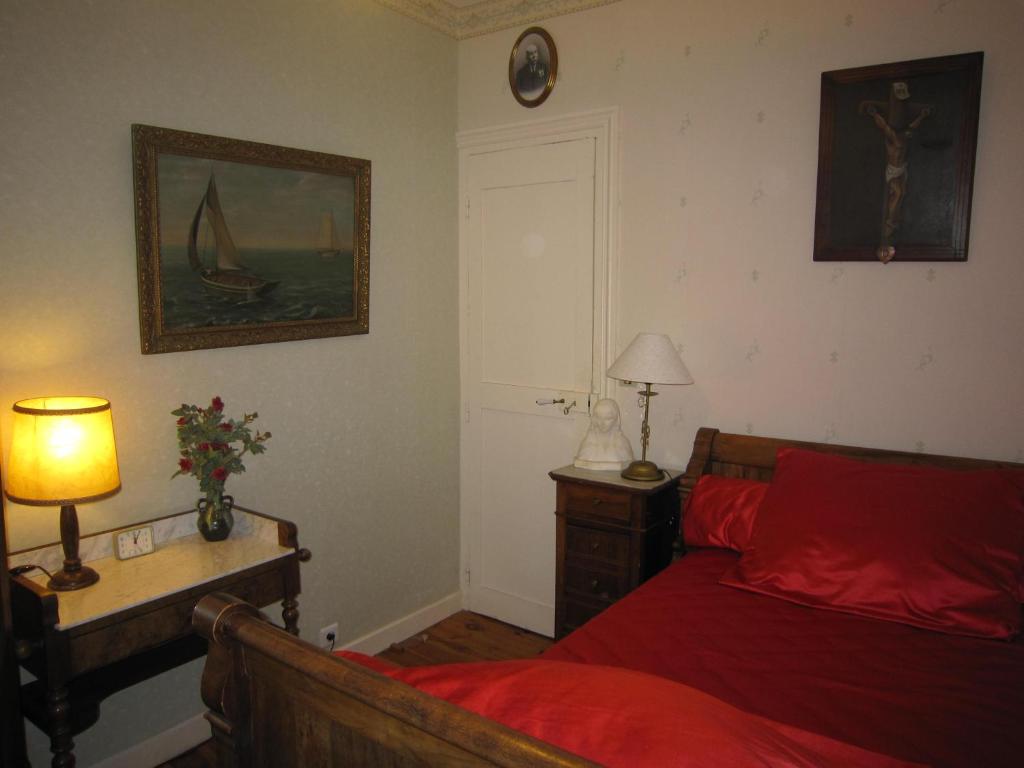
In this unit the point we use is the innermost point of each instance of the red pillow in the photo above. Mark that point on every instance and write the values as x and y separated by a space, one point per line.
933 548
720 512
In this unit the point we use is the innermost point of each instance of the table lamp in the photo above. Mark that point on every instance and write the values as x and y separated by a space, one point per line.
62 453
650 358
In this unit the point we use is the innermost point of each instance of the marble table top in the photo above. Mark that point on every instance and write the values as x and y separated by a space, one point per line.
612 477
181 561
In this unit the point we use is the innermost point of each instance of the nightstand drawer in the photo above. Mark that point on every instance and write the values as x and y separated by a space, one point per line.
578 613
600 545
595 582
589 501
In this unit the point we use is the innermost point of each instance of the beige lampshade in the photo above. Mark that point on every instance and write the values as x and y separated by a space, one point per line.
62 452
650 358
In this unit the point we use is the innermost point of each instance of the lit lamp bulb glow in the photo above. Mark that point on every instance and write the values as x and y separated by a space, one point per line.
66 439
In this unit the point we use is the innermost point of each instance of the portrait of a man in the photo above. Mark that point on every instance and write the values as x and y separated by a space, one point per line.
532 67
533 75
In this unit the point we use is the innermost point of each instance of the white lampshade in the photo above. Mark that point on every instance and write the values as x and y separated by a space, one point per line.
62 451
651 358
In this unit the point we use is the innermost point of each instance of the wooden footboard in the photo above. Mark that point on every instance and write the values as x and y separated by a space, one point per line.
276 700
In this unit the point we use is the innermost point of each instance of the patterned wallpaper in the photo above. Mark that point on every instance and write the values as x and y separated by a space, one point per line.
478 18
75 76
720 107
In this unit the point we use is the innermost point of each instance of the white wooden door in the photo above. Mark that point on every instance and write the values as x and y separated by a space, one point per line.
529 338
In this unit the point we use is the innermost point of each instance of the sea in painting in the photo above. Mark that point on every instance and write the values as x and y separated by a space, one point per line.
244 244
310 287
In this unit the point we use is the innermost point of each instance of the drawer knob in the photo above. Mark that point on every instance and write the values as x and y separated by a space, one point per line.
597 502
595 545
593 584
23 649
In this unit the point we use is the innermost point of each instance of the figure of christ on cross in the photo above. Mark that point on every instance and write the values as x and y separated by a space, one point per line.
897 132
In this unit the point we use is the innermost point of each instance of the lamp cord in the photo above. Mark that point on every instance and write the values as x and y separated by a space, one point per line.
17 571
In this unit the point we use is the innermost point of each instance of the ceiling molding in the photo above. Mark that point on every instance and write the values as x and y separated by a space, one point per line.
461 19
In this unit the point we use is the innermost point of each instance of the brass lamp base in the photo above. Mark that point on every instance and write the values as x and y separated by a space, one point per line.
645 471
65 581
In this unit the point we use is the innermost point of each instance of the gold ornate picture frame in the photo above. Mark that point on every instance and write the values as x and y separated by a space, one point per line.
533 67
240 242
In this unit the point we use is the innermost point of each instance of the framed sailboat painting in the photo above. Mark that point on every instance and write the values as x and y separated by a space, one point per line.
246 243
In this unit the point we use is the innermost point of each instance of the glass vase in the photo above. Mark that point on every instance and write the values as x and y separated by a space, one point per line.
215 518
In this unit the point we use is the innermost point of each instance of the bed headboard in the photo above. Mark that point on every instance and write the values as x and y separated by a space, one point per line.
753 458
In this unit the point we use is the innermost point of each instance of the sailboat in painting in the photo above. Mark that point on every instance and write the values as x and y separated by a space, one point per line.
327 243
230 276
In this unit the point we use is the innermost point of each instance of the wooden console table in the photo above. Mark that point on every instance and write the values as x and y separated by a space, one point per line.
136 622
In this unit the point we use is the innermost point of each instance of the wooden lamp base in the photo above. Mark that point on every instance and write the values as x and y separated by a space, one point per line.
74 575
65 580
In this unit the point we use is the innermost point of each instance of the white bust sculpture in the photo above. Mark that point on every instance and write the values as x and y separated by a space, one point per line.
604 446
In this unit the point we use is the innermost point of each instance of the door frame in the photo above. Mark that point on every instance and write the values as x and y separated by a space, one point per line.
603 127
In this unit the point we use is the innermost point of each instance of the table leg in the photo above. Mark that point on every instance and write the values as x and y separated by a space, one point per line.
290 614
58 707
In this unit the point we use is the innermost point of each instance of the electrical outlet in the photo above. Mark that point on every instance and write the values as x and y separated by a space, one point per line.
328 636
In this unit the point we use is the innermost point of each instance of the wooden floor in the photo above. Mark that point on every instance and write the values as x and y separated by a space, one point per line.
463 636
466 636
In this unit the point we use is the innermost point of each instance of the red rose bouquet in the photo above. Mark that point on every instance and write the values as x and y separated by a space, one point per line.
212 446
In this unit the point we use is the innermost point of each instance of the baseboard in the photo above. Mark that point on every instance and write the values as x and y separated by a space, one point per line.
162 747
514 610
399 630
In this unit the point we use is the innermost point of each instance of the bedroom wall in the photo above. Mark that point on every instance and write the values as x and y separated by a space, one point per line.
719 115
365 432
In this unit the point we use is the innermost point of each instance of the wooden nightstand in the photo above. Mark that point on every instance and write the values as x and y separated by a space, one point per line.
612 535
136 622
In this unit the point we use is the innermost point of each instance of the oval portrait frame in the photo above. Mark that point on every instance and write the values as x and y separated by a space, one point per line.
539 36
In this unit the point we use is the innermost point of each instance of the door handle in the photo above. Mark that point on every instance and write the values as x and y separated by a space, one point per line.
560 401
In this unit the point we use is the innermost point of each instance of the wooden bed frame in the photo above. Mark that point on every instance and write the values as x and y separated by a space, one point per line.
276 700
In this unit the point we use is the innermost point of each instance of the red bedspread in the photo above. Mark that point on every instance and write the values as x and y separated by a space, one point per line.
918 695
626 719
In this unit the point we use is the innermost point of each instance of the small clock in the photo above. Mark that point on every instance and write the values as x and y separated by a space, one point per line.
134 542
